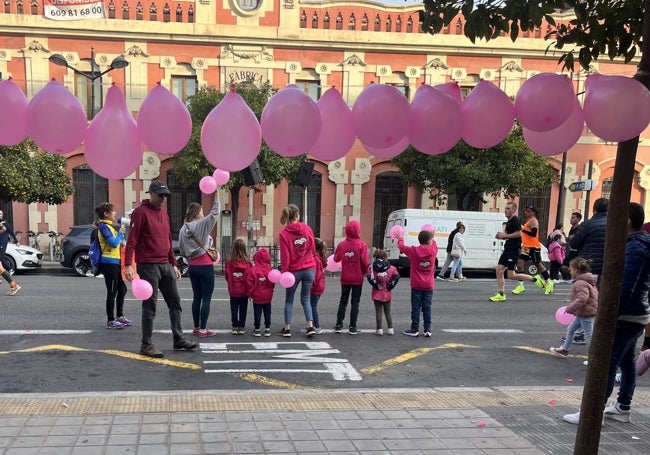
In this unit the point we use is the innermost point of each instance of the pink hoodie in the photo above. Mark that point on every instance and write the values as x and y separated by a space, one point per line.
260 288
352 253
297 247
423 264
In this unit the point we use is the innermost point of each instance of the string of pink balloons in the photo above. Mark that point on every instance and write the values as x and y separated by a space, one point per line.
615 108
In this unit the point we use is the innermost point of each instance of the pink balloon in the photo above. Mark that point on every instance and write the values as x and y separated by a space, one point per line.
218 259
274 275
287 279
488 116
544 102
388 152
220 176
560 139
436 121
428 227
380 115
141 289
332 265
291 122
56 121
112 145
164 123
336 134
563 317
616 108
13 115
452 89
231 136
396 231
207 185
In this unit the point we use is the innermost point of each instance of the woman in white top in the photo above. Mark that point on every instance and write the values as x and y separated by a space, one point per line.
458 250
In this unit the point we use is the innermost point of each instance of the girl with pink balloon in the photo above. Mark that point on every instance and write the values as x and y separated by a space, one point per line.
297 254
260 290
193 242
584 303
318 288
237 268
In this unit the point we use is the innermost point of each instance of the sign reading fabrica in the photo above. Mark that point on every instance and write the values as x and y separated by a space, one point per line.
74 10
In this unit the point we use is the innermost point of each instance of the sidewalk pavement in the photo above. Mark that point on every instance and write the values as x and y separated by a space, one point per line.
462 421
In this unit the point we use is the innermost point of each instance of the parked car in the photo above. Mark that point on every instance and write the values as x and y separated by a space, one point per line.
77 243
22 257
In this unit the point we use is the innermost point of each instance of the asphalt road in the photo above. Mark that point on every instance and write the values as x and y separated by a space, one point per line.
53 339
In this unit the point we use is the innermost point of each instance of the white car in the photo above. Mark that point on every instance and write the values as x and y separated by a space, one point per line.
23 257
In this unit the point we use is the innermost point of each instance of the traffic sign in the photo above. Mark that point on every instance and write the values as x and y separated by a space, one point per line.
587 185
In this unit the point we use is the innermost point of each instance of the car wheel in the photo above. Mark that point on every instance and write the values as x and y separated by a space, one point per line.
12 263
183 265
531 268
81 265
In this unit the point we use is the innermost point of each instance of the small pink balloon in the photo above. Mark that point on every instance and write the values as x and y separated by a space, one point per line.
287 279
291 122
396 231
481 424
388 152
336 134
207 185
436 121
428 227
164 123
560 139
13 115
332 266
488 116
112 145
220 176
231 136
544 102
56 121
563 317
552 402
380 116
141 289
274 275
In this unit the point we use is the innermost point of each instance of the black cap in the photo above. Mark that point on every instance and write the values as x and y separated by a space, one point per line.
159 188
532 209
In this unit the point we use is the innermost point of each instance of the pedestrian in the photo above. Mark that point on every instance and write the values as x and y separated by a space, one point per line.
583 304
353 255
6 234
458 250
510 256
193 241
383 278
558 229
633 316
297 249
423 263
318 288
260 290
531 250
449 259
111 241
238 267
556 255
150 239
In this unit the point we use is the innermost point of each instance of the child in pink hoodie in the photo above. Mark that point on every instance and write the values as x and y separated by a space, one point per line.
260 290
318 288
352 253
383 278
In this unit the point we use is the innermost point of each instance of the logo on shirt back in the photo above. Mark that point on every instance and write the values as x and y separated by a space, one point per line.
299 246
300 241
237 274
425 264
382 274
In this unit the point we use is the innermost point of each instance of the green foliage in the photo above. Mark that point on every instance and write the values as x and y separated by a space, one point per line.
509 168
31 175
600 27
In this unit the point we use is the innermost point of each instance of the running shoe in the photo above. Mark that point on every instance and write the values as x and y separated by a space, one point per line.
520 289
124 321
498 297
114 325
539 281
206 333
548 289
14 290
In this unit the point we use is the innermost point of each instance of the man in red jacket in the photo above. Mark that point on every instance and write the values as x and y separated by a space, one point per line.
150 238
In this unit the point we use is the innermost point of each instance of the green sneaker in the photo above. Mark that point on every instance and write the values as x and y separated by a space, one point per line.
550 285
520 289
498 297
539 281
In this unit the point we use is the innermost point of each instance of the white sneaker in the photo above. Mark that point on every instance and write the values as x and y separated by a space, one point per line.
462 278
572 418
617 378
615 412
390 331
379 332
453 280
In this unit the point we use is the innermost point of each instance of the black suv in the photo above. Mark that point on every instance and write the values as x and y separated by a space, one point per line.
77 243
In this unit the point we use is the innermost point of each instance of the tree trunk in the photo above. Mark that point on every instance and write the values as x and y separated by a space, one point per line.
600 351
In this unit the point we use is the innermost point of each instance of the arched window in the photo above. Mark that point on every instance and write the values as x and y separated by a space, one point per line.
184 82
90 190
309 82
314 190
390 194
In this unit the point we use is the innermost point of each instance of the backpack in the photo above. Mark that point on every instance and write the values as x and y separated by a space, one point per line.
95 250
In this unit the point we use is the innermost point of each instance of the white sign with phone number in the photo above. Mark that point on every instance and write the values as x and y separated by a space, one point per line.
74 10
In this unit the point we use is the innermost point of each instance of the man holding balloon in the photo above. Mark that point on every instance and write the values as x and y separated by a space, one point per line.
151 240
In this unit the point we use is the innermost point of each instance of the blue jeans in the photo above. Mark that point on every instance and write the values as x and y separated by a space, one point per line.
202 279
625 338
313 300
421 302
306 277
457 268
445 265
587 325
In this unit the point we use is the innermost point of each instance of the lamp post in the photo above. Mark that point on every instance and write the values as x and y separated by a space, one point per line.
118 62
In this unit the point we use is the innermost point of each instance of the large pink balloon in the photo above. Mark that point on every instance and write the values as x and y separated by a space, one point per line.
336 134
290 122
231 136
436 121
488 116
13 115
388 152
56 121
112 145
142 289
544 102
560 139
616 108
380 116
164 123
452 89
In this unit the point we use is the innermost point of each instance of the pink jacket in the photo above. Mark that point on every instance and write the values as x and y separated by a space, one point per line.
556 252
584 296
353 255
423 264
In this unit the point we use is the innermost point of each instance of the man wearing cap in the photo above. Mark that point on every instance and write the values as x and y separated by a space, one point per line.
150 239
531 250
